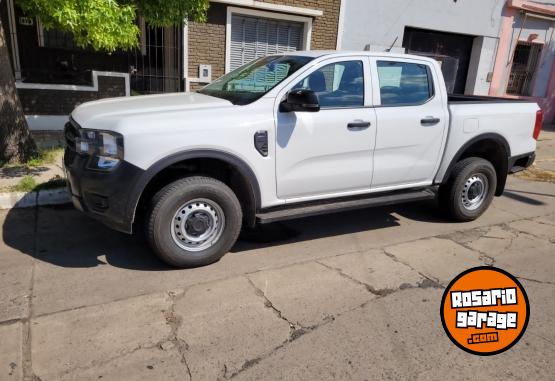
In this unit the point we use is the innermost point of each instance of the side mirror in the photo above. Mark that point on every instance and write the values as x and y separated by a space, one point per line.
301 100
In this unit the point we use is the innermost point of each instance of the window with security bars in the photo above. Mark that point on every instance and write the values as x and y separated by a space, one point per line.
255 37
54 38
156 67
525 63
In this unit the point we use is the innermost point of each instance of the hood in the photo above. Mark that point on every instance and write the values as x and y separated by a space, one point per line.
116 108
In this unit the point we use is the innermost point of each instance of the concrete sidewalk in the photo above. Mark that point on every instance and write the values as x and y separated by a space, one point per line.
544 166
11 175
348 296
546 149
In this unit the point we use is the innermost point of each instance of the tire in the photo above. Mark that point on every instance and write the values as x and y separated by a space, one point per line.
193 222
469 191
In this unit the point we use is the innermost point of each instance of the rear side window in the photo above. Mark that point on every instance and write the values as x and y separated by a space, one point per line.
404 83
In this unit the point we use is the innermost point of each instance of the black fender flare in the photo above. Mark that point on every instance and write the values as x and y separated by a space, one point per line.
502 180
243 168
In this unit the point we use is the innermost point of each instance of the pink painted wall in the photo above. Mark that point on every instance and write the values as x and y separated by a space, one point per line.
505 49
498 85
548 104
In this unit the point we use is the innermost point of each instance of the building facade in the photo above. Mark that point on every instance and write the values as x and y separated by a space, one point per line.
462 35
237 31
53 75
525 60
486 47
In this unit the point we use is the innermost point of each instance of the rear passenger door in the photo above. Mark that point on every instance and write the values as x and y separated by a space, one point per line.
412 123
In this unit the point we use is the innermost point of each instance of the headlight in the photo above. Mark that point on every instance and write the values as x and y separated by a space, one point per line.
104 148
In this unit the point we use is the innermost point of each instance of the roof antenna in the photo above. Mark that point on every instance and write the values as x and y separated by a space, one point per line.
392 45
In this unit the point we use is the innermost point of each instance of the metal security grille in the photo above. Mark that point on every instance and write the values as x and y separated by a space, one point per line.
525 62
155 67
54 38
255 37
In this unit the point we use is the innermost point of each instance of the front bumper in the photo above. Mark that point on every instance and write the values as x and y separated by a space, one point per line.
103 196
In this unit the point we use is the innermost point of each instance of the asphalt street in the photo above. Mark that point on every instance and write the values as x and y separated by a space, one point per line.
346 296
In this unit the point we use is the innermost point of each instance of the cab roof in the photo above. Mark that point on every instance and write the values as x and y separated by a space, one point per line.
331 53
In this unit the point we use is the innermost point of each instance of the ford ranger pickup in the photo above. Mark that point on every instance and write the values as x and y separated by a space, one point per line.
288 136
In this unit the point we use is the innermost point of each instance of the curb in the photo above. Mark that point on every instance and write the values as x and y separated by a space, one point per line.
58 196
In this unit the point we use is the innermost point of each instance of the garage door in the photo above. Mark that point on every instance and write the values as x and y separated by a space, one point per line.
255 37
452 50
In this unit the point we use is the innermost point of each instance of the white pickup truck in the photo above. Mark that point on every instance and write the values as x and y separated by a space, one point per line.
289 136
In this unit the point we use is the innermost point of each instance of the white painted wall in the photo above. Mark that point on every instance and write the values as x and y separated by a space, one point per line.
381 24
482 62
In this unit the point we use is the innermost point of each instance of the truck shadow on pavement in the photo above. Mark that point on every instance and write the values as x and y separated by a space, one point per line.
63 237
335 224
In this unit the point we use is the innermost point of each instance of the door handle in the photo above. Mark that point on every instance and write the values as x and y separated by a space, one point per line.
358 125
430 121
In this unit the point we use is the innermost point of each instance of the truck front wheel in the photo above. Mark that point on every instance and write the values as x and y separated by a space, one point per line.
470 190
193 221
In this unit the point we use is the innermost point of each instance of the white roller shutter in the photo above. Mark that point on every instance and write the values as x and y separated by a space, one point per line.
255 37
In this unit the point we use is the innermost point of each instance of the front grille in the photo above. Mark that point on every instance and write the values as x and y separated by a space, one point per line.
71 133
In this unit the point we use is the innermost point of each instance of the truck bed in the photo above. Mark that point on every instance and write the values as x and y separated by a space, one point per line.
458 99
510 121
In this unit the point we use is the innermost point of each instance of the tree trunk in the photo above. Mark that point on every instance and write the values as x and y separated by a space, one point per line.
16 142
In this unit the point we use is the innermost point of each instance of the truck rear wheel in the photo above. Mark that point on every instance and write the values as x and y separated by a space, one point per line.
470 190
193 221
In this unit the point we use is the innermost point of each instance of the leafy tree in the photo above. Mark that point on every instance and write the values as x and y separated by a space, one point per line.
104 25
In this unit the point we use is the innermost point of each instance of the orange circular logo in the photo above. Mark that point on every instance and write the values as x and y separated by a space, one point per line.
485 311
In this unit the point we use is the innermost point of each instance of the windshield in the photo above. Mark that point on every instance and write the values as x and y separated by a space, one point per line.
252 81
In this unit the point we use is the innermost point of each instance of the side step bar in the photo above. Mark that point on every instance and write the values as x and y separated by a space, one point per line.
308 210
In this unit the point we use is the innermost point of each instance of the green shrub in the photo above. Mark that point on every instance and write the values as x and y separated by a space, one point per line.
26 184
45 157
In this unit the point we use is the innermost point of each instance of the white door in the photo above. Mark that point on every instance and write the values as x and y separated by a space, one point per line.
328 152
412 124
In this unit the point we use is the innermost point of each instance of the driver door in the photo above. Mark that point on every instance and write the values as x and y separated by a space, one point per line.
328 153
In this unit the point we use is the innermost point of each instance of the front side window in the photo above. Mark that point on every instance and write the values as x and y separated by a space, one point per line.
404 83
337 85
252 81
